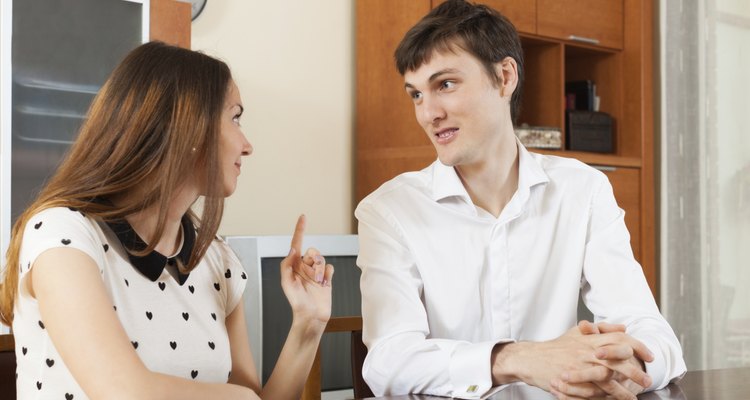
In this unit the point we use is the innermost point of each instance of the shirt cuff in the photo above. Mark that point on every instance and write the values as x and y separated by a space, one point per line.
470 369
662 371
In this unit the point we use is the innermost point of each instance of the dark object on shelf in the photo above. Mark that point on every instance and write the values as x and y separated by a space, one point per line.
579 95
589 131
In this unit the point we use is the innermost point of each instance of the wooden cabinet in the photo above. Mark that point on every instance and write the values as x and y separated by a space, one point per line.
389 141
598 22
522 13
170 22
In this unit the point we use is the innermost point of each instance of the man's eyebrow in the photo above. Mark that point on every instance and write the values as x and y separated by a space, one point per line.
438 74
434 76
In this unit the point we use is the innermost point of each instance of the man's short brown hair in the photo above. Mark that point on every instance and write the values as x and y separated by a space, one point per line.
479 30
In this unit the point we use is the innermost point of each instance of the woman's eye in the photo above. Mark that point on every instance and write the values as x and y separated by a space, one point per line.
236 119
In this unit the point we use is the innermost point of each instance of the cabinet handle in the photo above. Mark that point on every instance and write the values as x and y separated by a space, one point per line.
605 168
583 39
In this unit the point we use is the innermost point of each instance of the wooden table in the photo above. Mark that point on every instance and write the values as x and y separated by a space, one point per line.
719 384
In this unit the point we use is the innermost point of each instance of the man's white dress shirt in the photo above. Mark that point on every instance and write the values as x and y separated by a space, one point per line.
443 281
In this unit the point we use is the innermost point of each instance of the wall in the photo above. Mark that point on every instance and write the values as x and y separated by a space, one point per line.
293 61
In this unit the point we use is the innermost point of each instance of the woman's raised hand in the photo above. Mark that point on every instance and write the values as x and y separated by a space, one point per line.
306 281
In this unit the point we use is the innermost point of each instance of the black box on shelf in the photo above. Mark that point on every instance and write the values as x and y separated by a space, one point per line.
589 131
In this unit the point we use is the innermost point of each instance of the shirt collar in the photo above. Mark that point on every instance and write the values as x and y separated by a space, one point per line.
152 264
446 182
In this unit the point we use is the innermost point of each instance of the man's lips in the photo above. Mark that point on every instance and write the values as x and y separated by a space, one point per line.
445 136
445 133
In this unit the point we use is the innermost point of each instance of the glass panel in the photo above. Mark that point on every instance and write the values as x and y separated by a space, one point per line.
62 53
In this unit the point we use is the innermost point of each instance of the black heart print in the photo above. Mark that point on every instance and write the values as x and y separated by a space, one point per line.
127 283
38 225
243 275
193 373
41 324
213 316
185 316
228 274
191 289
173 345
50 363
68 396
106 247
39 385
24 350
162 285
135 344
216 286
149 315
211 345
65 241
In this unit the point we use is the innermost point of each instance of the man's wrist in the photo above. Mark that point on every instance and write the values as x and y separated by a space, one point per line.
504 367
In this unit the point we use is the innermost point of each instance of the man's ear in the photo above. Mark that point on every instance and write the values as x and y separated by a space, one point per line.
507 74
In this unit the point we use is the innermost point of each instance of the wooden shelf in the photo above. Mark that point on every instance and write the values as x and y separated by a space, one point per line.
611 160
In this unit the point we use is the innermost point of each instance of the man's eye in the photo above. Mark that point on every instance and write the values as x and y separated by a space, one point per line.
448 85
415 95
236 119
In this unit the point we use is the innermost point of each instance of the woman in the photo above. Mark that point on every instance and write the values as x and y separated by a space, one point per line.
114 287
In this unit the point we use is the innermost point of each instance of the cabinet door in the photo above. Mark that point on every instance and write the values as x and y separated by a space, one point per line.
626 185
387 130
522 13
592 21
170 22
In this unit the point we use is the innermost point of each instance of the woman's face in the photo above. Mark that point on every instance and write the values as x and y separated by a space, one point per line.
232 142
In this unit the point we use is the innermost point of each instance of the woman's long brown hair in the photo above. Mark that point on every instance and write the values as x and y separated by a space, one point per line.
154 124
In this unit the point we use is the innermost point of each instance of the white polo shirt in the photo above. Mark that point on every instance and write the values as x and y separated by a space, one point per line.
176 323
443 280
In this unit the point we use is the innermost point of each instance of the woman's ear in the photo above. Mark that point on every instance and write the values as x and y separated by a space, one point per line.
507 74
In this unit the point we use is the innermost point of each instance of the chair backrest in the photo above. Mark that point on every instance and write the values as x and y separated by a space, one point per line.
7 367
359 351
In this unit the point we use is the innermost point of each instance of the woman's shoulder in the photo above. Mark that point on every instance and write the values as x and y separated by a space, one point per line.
60 227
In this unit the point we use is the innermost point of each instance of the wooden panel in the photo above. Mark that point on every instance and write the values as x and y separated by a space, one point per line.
626 183
639 110
170 22
522 13
600 20
385 114
594 158
542 98
376 167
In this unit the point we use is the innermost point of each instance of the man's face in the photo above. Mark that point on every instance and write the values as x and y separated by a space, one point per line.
459 106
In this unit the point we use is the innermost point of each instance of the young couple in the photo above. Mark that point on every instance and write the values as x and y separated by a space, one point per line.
471 268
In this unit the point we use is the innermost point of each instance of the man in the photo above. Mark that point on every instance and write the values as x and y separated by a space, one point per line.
472 267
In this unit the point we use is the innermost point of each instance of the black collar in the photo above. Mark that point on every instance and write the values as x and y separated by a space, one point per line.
152 264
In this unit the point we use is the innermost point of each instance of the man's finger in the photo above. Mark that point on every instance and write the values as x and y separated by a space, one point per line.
606 327
591 374
614 352
587 328
628 370
577 390
616 390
